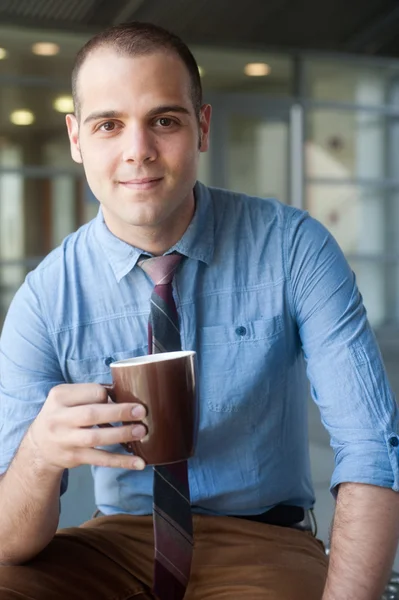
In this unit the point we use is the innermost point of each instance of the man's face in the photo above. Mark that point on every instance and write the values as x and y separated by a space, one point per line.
138 138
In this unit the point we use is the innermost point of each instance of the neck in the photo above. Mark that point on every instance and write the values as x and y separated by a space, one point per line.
154 239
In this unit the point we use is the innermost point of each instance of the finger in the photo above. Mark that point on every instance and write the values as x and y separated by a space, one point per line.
89 438
101 458
76 394
97 414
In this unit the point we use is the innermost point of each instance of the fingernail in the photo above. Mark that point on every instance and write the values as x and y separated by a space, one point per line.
138 411
139 464
138 430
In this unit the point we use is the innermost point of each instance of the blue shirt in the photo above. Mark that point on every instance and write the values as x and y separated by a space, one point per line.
265 296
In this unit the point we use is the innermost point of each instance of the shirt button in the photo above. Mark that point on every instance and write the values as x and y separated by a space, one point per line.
241 330
109 360
394 441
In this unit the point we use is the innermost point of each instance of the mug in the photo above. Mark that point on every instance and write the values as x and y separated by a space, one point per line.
165 384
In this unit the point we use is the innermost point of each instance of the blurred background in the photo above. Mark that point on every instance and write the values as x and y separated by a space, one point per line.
306 109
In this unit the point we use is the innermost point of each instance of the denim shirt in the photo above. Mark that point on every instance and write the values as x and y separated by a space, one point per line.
268 301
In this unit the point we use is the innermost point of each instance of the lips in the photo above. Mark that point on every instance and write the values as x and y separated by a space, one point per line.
141 184
141 181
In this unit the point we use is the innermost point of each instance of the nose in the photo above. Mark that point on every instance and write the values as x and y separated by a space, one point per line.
140 146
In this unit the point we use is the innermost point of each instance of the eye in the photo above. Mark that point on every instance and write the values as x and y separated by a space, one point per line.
108 126
165 121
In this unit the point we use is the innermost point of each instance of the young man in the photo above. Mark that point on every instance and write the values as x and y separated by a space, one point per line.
260 287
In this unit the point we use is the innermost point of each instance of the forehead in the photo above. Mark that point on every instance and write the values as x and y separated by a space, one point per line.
107 76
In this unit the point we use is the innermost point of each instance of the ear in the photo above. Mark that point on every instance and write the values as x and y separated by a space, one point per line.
73 133
205 124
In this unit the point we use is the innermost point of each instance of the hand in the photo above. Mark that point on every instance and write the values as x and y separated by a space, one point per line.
62 436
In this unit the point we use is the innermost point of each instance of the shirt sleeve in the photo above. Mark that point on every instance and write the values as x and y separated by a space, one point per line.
344 364
29 368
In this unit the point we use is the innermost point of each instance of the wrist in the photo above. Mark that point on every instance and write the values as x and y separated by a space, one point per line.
31 452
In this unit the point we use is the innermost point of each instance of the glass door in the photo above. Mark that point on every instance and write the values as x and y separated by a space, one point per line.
252 147
257 156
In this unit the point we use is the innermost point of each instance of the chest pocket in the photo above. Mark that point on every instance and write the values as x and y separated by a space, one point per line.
240 364
97 369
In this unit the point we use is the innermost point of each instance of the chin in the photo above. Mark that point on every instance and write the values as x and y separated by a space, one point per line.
144 218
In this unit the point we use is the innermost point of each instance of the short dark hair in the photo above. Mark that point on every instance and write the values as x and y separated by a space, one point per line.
138 39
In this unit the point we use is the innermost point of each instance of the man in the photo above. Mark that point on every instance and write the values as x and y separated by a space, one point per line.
260 286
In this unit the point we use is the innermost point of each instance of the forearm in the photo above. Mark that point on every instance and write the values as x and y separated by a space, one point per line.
29 506
364 541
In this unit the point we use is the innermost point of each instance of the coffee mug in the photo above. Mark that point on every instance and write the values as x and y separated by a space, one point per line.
165 384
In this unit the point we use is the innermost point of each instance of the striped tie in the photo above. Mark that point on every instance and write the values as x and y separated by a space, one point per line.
173 530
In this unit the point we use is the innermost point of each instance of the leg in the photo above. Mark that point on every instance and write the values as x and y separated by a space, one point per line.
236 559
109 558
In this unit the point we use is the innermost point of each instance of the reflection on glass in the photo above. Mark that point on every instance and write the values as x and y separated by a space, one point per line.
378 284
45 141
364 221
346 144
36 214
334 81
20 59
11 277
224 70
257 152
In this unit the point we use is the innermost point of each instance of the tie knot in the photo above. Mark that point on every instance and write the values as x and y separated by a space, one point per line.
161 269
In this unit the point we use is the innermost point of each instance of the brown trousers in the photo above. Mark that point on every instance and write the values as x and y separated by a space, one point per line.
111 558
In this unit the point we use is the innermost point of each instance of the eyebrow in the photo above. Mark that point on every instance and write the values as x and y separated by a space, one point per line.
157 110
103 114
167 108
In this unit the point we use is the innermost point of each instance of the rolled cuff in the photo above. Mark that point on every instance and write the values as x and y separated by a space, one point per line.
374 462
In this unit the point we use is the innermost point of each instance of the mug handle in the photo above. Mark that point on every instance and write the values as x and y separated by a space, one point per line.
111 393
110 389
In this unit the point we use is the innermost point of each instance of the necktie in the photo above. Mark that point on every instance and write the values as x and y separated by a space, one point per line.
173 531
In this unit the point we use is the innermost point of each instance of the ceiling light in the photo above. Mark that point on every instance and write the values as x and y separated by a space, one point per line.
63 104
257 69
3 53
22 117
201 71
45 48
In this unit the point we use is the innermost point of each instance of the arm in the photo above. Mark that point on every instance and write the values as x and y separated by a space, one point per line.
364 541
29 506
46 427
358 409
29 493
61 437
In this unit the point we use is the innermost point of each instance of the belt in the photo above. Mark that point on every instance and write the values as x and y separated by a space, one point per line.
282 515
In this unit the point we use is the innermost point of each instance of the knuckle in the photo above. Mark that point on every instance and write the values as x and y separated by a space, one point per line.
105 459
90 414
100 393
125 434
71 458
92 437
52 425
121 412
120 462
56 393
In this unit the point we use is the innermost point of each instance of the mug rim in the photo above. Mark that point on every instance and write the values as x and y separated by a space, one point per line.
151 358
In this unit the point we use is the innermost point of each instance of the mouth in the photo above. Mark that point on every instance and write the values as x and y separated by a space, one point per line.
144 183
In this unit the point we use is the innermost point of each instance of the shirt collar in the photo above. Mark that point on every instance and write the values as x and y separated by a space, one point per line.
197 241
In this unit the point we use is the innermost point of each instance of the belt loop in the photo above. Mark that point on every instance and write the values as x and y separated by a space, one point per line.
314 522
